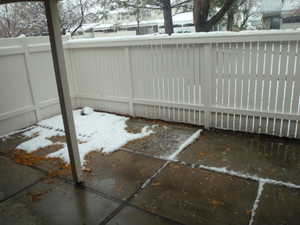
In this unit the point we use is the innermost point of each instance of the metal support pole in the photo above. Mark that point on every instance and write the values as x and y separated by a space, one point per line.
62 86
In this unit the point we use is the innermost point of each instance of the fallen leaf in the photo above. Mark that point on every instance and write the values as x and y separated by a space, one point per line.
157 183
216 203
176 166
86 169
201 154
248 212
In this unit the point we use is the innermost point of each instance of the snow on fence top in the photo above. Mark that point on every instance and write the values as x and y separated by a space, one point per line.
202 37
42 43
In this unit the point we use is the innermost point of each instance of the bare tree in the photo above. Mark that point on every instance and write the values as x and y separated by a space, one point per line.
165 5
29 17
22 18
75 13
239 13
182 8
138 8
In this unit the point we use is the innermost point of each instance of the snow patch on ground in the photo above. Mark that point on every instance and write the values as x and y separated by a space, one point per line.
96 132
87 111
34 144
256 202
106 142
224 170
189 141
39 139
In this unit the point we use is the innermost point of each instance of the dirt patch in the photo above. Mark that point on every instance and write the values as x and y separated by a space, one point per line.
55 139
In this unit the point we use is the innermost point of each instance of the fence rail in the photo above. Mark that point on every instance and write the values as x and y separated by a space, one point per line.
248 82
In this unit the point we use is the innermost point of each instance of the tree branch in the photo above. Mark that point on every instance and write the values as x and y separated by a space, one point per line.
181 3
219 15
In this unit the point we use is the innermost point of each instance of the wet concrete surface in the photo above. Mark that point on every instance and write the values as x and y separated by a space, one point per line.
166 140
39 158
264 156
278 206
198 197
132 216
186 195
8 144
54 202
14 177
119 174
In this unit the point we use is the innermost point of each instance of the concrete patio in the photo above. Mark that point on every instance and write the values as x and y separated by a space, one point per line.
222 178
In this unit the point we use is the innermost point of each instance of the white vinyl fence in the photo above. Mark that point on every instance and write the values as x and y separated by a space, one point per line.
27 83
244 82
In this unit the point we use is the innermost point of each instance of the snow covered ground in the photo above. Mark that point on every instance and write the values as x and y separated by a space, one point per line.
96 131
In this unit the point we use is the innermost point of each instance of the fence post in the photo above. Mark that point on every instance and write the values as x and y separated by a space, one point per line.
28 66
296 73
207 83
130 81
71 72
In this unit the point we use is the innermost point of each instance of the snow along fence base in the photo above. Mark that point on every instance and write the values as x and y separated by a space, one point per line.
248 81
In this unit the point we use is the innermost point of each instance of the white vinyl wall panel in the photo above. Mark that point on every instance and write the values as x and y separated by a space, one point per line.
42 75
14 89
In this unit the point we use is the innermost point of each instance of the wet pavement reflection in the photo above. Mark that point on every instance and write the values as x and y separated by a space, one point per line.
263 156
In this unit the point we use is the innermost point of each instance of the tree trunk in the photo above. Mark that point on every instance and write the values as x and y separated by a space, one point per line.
230 20
168 20
138 21
8 22
201 9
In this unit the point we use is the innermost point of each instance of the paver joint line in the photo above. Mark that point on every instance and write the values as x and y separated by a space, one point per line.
21 190
112 214
143 154
126 202
149 180
260 190
223 171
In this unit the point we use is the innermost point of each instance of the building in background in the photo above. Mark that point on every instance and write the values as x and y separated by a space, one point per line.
280 14
183 23
290 15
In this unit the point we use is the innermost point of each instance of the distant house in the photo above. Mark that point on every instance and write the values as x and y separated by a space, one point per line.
280 14
271 10
290 15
